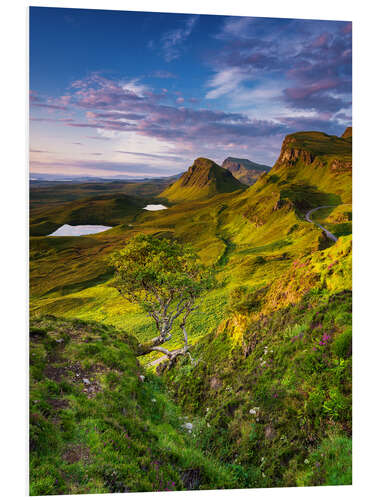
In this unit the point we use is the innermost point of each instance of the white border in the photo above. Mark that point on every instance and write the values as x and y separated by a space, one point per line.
14 244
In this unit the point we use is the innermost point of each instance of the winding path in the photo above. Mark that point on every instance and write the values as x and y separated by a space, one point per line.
227 243
308 218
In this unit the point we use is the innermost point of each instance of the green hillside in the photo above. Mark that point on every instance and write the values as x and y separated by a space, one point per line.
244 170
99 423
322 162
274 380
202 180
278 321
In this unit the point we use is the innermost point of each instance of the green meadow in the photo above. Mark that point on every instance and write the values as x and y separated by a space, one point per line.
269 396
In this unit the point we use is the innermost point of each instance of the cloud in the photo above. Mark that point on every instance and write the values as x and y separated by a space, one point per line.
310 60
98 138
130 114
60 103
55 120
79 167
163 74
39 151
117 115
224 82
172 42
150 155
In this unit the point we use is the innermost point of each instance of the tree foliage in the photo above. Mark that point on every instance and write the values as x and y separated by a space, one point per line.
164 278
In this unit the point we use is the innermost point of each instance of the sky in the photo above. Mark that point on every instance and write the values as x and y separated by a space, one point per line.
138 94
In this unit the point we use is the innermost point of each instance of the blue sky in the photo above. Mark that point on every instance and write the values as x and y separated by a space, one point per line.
115 93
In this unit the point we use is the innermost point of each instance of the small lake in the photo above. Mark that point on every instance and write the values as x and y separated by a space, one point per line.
67 230
153 208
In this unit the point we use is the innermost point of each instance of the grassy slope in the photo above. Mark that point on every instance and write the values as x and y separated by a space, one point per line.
256 234
60 192
337 219
96 427
261 247
274 380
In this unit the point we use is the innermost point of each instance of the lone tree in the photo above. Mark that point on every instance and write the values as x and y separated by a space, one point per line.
165 279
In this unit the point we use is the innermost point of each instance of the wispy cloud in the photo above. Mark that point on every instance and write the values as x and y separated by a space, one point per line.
224 82
149 155
163 74
98 138
105 168
172 42
39 151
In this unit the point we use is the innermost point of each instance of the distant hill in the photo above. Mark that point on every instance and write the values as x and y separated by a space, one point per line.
244 170
202 180
101 209
48 178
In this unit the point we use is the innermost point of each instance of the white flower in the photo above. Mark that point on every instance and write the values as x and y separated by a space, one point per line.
306 461
188 426
153 400
142 378
263 474
263 459
252 411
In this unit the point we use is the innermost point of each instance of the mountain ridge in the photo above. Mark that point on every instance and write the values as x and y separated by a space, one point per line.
244 170
203 179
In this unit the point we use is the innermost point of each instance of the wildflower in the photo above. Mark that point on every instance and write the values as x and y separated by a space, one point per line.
252 411
153 400
188 426
263 474
306 461
262 459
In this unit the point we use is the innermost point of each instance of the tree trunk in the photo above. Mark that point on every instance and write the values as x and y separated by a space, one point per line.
150 345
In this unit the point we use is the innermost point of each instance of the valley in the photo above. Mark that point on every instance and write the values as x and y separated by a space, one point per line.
269 397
